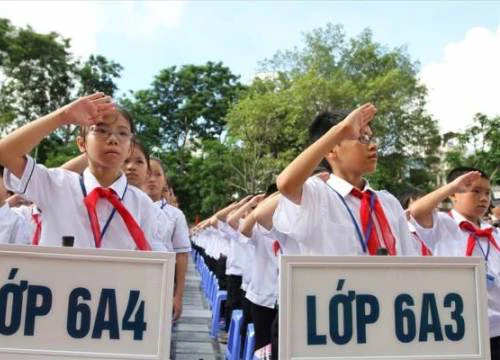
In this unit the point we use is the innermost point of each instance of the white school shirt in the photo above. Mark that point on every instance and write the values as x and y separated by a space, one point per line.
180 236
210 241
288 245
263 287
165 230
223 240
216 243
13 227
199 238
236 256
27 213
59 194
321 224
247 260
445 238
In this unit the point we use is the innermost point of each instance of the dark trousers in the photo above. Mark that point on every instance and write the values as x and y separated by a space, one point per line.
275 336
211 263
247 319
495 348
220 272
234 296
263 318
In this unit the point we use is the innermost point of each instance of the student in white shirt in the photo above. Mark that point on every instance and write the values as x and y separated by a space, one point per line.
99 208
236 259
262 291
136 169
219 220
32 221
461 232
229 269
13 227
408 198
311 210
180 235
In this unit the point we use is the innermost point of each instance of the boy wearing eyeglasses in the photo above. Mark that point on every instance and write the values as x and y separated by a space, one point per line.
462 232
343 215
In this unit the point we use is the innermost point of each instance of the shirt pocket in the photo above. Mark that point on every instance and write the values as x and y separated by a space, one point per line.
340 239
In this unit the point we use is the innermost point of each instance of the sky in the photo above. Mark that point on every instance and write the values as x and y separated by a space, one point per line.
456 43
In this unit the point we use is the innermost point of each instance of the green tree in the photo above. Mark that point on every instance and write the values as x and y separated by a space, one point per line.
38 75
478 146
38 72
187 103
331 71
181 117
208 179
98 74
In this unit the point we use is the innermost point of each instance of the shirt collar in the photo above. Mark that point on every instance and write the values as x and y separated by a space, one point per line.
459 218
90 182
343 187
162 203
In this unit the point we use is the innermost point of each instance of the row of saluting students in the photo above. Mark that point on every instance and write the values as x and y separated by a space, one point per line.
323 205
108 199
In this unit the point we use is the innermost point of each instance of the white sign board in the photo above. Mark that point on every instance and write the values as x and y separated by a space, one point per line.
67 303
383 307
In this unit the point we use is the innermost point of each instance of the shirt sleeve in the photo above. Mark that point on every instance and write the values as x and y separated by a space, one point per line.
161 232
180 237
37 183
297 221
409 246
227 230
442 228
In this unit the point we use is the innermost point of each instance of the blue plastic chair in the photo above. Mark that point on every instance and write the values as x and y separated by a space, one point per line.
218 297
234 338
204 276
208 285
199 260
249 348
213 289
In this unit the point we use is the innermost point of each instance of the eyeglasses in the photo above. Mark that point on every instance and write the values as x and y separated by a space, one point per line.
104 132
366 139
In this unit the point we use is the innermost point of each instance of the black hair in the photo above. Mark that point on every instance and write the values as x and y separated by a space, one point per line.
323 122
461 170
2 169
321 168
271 189
120 111
408 195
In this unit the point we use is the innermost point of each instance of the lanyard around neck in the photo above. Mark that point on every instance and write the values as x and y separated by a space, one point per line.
108 221
163 203
363 240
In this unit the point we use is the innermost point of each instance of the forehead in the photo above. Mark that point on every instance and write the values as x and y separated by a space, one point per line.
115 119
482 183
137 153
155 165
